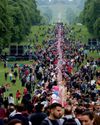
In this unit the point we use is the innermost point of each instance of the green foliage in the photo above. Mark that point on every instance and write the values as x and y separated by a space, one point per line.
79 32
97 27
16 19
13 88
4 22
90 16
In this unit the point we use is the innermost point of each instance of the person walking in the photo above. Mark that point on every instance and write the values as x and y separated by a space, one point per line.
15 122
69 118
87 118
38 116
54 115
19 115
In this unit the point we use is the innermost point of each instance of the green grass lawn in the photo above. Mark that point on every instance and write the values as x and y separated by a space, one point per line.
13 88
42 34
94 55
40 31
80 32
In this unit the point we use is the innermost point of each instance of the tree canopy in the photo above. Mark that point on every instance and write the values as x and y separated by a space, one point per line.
16 19
91 16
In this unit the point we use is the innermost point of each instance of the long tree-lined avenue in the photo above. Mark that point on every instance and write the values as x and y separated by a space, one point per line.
49 62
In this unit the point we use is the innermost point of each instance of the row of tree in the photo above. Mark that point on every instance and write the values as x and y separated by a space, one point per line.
91 16
16 19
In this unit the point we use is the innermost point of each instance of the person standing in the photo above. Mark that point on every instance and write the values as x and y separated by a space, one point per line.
11 99
87 118
18 96
6 75
19 115
54 115
5 63
38 116
10 76
15 122
69 118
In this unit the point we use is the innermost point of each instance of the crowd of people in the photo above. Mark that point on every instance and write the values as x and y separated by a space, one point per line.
43 102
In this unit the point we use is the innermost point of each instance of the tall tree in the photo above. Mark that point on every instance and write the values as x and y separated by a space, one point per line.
90 16
5 23
16 19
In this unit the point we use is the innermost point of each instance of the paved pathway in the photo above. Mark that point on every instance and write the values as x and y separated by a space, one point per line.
62 89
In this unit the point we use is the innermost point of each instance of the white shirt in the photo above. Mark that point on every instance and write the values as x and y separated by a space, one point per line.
11 100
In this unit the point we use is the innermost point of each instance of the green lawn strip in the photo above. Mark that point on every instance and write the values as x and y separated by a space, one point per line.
80 32
34 30
94 55
31 39
13 88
